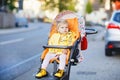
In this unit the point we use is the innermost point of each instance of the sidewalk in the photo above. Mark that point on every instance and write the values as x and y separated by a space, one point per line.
14 30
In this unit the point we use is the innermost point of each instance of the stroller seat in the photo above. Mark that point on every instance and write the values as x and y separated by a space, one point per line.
73 26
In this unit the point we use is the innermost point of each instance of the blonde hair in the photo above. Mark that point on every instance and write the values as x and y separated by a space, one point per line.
61 22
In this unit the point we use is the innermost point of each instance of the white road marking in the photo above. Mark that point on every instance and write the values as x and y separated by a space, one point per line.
11 41
21 63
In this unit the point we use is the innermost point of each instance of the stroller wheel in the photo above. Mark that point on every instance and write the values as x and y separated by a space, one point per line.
74 62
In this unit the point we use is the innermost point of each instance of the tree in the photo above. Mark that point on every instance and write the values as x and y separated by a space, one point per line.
60 5
8 3
11 5
88 7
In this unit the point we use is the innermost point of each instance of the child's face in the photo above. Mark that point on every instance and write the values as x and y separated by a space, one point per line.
63 28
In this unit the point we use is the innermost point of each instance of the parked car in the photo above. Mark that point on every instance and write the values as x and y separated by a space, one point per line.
112 35
21 22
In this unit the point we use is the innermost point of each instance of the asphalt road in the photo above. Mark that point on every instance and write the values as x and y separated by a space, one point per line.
96 66
19 48
19 58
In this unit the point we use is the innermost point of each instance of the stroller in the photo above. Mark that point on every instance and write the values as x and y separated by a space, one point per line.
73 24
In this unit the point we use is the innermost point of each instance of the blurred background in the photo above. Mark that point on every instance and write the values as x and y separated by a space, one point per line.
46 10
24 29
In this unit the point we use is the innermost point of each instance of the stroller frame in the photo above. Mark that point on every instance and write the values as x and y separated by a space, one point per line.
70 61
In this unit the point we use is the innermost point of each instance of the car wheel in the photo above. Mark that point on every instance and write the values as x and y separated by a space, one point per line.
108 52
26 26
16 24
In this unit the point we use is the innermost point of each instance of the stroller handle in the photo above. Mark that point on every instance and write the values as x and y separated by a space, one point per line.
56 46
90 31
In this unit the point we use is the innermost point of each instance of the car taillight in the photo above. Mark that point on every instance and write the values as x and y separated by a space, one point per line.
110 46
113 26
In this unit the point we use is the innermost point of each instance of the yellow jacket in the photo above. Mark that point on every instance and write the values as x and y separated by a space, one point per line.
58 39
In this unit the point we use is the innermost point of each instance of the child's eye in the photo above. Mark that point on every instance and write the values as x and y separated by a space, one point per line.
62 27
66 27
